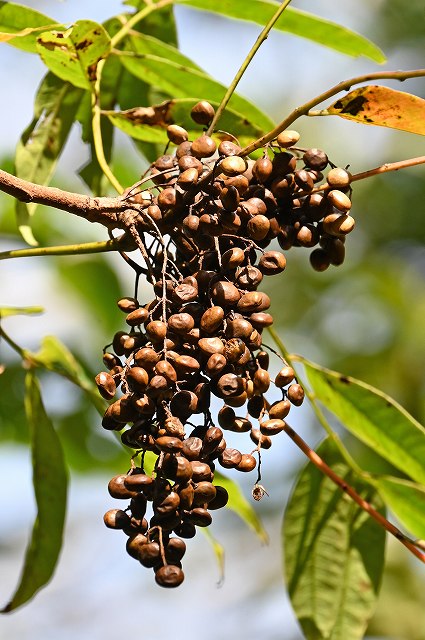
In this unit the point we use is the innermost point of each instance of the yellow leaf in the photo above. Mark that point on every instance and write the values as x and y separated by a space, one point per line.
383 107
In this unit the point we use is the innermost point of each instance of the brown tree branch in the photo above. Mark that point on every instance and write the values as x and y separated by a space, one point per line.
105 211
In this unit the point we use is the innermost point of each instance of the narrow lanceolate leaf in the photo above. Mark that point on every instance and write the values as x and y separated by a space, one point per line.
180 81
296 22
240 505
406 500
41 143
54 356
383 107
73 54
50 486
334 553
16 19
218 552
373 417
150 123
5 312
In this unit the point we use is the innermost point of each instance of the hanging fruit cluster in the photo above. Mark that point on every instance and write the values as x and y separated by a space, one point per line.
201 335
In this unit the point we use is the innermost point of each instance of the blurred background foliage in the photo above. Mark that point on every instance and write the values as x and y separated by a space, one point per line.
365 319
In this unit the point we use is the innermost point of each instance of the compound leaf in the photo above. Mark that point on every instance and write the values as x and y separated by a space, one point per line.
383 107
334 552
296 22
50 486
373 417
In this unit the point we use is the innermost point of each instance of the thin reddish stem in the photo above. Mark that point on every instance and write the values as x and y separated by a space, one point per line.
363 504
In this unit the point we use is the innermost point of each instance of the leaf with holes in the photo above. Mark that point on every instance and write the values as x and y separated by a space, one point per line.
373 417
334 552
50 486
73 54
383 107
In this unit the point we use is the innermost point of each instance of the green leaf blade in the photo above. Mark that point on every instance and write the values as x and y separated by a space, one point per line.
294 21
240 505
181 81
406 500
334 553
15 18
42 142
72 55
50 486
373 417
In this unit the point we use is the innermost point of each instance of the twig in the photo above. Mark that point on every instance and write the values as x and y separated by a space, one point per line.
231 89
345 85
363 504
69 249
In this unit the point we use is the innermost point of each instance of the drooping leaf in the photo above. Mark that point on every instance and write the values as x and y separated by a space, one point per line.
218 552
407 501
73 54
334 552
15 19
54 356
42 142
5 312
240 505
181 81
50 486
299 23
150 123
383 107
373 417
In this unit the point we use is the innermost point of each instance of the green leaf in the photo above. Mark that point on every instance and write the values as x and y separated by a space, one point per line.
50 486
54 356
240 505
334 553
5 312
406 500
15 19
383 107
182 81
299 23
41 144
218 552
373 417
73 54
150 123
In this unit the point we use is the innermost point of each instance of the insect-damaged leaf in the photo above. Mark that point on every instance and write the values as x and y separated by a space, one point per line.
50 486
383 107
334 552
73 54
373 417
